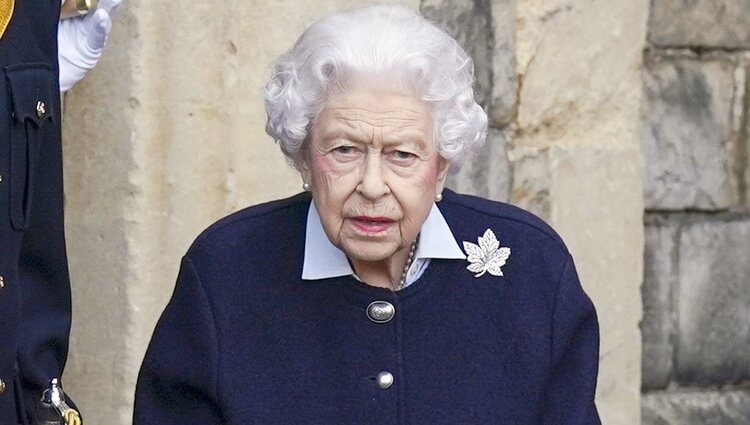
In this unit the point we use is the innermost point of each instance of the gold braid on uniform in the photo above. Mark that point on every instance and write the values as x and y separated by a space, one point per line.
72 417
6 11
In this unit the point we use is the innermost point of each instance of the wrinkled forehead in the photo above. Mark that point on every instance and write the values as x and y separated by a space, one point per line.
377 108
393 78
366 112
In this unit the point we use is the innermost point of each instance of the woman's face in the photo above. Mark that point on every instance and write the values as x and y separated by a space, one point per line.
374 171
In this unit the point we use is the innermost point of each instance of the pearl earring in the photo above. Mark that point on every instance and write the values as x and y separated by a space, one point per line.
306 187
438 197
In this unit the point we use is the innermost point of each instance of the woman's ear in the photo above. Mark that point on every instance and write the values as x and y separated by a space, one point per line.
443 166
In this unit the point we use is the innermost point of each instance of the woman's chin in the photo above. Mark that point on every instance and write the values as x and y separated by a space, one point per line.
369 250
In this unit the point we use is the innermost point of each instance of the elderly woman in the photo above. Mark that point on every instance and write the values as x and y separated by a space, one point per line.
375 296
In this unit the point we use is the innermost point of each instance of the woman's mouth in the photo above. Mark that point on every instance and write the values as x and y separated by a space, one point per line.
371 225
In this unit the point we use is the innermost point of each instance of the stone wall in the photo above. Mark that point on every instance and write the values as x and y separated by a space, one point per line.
166 135
576 161
696 291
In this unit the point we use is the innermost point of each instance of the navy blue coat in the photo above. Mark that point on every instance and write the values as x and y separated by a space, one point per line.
34 290
245 341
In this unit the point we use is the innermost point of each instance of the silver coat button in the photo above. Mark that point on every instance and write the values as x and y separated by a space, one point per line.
41 109
384 380
380 311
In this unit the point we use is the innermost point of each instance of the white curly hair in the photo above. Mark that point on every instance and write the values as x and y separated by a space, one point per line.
390 45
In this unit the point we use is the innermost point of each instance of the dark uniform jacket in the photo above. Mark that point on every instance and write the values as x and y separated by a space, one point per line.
245 341
34 290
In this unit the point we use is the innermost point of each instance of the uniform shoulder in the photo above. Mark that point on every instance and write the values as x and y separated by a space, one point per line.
252 220
468 207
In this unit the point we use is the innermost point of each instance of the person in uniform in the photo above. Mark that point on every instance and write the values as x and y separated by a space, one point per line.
34 286
375 296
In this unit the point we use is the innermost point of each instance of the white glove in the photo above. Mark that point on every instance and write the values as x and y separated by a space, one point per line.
80 42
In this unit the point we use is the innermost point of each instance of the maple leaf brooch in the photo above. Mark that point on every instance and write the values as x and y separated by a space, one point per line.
487 257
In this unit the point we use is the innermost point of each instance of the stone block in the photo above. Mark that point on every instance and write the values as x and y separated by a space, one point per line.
469 22
504 82
700 23
657 325
531 180
597 208
713 346
591 196
98 157
696 408
486 30
487 172
687 134
742 168
579 65
576 161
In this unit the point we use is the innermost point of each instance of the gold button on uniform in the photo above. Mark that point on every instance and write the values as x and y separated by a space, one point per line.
380 311
2 386
41 109
2 282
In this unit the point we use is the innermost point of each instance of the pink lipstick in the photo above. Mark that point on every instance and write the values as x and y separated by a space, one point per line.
372 225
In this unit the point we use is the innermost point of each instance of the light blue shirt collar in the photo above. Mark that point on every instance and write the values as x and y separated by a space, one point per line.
323 260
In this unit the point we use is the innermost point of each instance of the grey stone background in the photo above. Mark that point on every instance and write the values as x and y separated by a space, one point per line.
562 82
696 289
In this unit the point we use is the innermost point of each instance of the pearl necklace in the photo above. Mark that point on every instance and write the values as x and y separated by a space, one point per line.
406 267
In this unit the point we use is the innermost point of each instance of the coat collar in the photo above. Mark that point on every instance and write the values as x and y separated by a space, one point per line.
323 260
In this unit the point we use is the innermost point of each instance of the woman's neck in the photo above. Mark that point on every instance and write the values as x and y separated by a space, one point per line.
385 273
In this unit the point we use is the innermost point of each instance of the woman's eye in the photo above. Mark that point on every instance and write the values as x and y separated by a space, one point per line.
346 153
344 150
403 155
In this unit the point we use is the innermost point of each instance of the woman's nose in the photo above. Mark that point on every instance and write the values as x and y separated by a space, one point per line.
373 184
